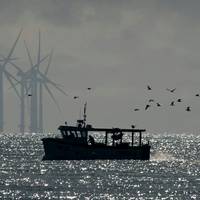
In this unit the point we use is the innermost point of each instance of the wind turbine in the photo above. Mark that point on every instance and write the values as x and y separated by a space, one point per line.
24 78
37 77
31 77
4 72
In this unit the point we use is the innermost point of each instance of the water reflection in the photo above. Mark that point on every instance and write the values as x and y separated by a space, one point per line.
173 172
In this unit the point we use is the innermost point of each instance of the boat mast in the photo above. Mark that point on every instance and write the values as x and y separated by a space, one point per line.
84 114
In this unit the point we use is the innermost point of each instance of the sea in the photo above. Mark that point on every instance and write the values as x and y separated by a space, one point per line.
173 171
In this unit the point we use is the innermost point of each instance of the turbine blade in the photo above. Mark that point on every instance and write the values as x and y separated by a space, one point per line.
28 53
52 83
4 58
8 76
15 66
12 49
49 62
52 96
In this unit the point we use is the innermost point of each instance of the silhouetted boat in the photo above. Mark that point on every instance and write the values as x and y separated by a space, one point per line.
77 143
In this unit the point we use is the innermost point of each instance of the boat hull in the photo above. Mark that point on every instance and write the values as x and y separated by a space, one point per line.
58 149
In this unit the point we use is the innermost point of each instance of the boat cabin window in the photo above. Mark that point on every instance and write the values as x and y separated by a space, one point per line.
64 133
73 134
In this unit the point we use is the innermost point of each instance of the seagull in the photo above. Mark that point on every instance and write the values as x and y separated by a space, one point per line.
188 109
147 106
151 100
179 100
197 95
172 103
148 87
76 97
136 109
158 105
171 90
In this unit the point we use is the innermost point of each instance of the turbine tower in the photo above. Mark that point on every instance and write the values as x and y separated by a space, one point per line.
21 96
9 77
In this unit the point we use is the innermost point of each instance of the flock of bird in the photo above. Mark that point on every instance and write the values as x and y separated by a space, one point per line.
151 101
172 103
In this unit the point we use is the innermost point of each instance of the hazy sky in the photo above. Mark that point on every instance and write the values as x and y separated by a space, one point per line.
117 48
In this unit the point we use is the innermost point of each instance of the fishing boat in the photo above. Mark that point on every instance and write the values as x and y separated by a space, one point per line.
77 143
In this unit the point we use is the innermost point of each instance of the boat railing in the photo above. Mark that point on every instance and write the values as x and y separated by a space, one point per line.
81 133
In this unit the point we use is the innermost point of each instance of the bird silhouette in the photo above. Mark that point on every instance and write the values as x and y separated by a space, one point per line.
132 126
148 87
158 104
171 90
179 100
136 109
188 109
89 88
197 95
76 97
151 100
147 106
172 103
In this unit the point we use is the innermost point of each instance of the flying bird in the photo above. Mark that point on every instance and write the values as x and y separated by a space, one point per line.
147 106
172 103
89 88
188 109
151 100
132 126
197 95
171 90
136 109
148 87
76 97
179 100
158 105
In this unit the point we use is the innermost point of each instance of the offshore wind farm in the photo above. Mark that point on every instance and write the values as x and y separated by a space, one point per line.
131 67
31 83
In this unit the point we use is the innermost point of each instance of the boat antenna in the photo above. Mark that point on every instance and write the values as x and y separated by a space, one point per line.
84 114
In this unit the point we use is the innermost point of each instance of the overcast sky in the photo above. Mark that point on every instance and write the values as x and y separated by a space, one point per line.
117 48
